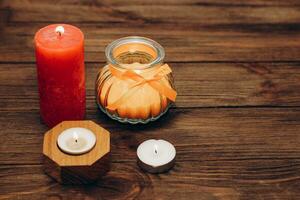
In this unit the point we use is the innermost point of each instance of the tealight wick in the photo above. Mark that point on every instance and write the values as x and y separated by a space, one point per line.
155 148
59 30
75 136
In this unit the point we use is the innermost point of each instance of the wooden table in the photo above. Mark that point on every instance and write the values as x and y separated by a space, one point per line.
236 123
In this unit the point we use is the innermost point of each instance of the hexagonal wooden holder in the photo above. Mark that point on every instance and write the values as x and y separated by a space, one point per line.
76 169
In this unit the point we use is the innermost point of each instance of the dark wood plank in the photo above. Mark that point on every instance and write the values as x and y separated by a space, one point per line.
128 182
222 134
221 154
190 31
183 42
203 12
198 85
220 3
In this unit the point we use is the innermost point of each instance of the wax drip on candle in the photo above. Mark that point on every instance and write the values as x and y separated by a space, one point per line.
59 30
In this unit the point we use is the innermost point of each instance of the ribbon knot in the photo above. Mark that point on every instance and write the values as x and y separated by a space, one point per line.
139 80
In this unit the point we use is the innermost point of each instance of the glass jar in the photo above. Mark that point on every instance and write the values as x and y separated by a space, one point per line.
135 86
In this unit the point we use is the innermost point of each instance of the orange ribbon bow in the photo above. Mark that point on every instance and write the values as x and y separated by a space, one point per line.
140 80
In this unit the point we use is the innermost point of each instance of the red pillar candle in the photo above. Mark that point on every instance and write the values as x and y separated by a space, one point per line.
61 75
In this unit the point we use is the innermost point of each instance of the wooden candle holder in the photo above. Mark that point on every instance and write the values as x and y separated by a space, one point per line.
76 169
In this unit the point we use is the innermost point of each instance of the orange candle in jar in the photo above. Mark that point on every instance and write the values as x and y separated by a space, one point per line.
135 86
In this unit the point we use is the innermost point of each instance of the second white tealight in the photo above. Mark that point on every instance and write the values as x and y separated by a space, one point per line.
76 140
156 156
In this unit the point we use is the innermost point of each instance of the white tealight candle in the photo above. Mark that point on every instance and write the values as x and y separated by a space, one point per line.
76 140
156 156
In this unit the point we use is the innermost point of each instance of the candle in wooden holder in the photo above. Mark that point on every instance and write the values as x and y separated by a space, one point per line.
76 140
76 152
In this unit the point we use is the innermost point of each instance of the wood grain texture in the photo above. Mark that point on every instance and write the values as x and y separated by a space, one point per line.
77 175
236 122
225 153
198 85
193 183
189 30
182 42
152 11
252 133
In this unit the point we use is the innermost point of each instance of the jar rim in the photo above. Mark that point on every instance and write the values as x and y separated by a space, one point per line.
159 50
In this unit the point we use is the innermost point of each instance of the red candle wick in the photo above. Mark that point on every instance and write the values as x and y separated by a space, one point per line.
59 30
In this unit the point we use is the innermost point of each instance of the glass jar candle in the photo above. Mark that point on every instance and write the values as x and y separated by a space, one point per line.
135 86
